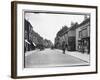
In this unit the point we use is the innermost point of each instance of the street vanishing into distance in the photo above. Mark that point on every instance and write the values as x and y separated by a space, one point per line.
51 58
62 45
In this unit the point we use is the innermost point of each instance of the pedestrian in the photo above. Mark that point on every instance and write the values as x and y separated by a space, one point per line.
63 47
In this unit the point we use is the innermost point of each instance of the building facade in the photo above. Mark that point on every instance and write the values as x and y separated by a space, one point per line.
83 36
32 40
28 44
72 37
61 37
47 43
67 36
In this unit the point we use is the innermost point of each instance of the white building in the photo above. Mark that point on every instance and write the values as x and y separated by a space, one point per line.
83 36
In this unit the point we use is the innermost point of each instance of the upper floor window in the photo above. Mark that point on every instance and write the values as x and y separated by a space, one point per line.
83 33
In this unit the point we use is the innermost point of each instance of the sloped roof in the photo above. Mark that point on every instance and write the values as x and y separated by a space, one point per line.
62 31
73 27
84 22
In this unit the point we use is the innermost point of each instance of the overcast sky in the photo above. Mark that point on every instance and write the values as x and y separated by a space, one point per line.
47 25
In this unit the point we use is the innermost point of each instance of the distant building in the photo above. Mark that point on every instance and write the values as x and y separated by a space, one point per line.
61 37
77 37
71 41
83 36
47 43
57 42
28 45
68 36
32 39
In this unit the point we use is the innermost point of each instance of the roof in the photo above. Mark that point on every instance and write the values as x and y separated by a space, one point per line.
73 27
27 24
62 31
84 22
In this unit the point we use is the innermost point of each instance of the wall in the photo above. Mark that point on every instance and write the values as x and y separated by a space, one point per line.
87 27
5 41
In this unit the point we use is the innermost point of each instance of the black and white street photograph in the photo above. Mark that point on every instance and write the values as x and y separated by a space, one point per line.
53 39
56 39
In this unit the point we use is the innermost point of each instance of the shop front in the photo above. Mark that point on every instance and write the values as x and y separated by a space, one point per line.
84 45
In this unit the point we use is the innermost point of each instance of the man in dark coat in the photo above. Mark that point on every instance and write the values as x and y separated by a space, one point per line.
63 47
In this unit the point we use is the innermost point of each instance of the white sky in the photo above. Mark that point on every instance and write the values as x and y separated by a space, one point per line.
47 25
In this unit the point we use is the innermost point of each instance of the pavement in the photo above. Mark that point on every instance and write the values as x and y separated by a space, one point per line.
82 56
52 58
31 52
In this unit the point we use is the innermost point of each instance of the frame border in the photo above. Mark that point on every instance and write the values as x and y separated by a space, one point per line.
14 38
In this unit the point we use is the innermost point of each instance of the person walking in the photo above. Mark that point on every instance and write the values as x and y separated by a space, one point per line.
63 47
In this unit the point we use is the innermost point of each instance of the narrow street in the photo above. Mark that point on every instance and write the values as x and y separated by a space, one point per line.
51 58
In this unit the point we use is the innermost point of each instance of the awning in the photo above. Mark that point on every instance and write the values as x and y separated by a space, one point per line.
34 44
27 41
